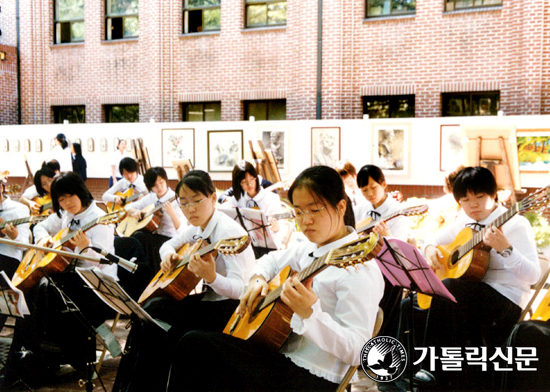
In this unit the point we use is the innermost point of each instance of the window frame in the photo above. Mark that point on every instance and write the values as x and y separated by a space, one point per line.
368 15
57 113
393 104
58 25
472 7
186 104
447 96
107 109
109 22
248 3
267 101
187 9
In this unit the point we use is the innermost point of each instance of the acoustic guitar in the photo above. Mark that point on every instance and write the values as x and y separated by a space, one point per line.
149 221
179 281
127 198
29 219
36 264
467 257
268 324
45 203
368 224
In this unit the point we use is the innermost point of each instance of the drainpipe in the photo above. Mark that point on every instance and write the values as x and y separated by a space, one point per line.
18 63
319 57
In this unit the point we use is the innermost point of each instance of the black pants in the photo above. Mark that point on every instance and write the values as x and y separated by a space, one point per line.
481 317
151 244
149 349
209 361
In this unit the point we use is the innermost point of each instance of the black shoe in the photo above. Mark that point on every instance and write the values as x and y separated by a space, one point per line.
424 377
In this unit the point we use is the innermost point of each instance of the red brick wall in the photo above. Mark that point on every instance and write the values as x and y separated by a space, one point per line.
504 48
8 86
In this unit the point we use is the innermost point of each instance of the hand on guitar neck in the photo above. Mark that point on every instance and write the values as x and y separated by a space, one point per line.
203 267
9 230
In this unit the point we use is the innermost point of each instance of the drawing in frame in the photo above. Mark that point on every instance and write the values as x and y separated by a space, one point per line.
178 144
451 149
90 144
16 145
103 144
325 146
225 149
391 147
534 150
27 145
276 139
38 145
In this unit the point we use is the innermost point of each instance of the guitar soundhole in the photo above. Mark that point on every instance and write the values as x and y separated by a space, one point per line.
454 258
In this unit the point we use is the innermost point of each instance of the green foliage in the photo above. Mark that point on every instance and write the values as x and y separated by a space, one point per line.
541 228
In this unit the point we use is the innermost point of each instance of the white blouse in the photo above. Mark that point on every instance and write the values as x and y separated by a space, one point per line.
343 318
399 226
11 210
122 186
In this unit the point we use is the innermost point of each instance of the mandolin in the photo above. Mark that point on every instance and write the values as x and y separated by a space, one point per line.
149 221
127 197
268 324
179 281
368 224
467 257
36 264
29 219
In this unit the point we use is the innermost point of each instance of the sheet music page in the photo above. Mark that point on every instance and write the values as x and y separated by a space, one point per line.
108 289
255 223
12 300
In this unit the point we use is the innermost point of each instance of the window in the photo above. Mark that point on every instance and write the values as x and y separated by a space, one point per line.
390 7
451 5
389 106
265 13
207 111
471 104
201 15
75 114
69 21
122 19
121 113
265 110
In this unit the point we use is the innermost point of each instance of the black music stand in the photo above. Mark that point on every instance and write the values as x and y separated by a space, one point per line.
257 226
404 266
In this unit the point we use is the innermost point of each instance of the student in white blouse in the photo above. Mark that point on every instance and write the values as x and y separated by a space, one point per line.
115 162
172 218
334 313
485 310
146 367
38 194
62 153
129 169
64 331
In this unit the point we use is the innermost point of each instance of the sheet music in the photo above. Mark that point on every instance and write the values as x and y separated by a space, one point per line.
12 300
108 289
256 224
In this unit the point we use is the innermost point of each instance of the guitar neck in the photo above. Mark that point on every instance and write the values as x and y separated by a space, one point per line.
159 207
130 199
87 226
383 219
201 252
45 207
15 222
283 215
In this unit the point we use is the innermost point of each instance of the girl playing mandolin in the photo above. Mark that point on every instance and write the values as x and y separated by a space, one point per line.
145 367
485 310
334 313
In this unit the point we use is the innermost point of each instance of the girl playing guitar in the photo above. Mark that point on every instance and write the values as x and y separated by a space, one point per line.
334 313
38 195
148 361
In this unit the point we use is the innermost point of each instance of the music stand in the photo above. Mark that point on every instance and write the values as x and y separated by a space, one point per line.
404 266
108 289
257 226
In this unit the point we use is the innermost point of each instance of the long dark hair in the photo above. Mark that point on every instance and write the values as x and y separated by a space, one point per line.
198 181
239 174
325 183
61 139
77 149
69 183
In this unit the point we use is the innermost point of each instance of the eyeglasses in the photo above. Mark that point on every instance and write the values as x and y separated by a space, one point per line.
301 214
192 204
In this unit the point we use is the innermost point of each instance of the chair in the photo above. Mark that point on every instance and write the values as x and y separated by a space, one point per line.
537 287
352 369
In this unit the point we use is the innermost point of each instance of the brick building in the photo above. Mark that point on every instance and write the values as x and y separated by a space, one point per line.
170 61
8 63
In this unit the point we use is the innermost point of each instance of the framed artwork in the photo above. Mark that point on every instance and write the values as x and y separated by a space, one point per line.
16 145
103 144
38 145
276 139
27 145
90 145
451 149
534 150
6 145
325 146
178 144
391 147
225 149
